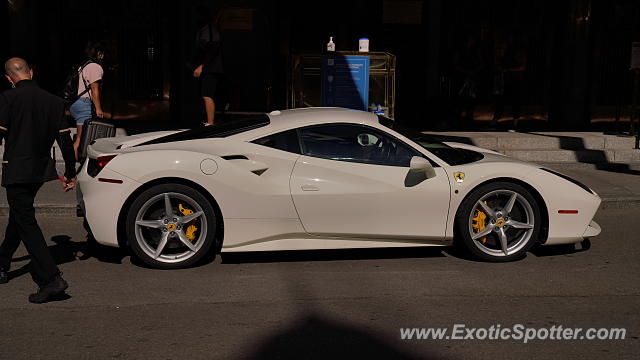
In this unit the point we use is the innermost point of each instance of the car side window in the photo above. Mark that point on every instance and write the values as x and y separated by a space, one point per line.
285 141
355 143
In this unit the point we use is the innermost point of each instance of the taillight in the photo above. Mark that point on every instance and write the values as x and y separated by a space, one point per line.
96 165
104 160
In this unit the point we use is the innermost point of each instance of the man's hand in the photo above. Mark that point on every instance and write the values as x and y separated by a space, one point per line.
197 72
69 183
100 113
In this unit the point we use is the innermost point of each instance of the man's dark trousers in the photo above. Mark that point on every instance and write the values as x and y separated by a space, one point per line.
23 226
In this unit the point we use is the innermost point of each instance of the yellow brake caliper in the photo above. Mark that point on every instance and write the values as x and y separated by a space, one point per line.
479 223
191 229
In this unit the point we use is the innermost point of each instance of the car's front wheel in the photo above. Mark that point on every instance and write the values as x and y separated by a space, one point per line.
171 226
498 221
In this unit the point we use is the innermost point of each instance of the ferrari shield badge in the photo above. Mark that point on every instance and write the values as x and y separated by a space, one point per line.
459 176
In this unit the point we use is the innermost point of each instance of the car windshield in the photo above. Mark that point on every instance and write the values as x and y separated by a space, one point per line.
451 155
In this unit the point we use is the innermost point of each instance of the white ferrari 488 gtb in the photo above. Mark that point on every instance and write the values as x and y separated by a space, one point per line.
321 178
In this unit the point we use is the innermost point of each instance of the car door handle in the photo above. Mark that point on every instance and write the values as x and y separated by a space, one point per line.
309 188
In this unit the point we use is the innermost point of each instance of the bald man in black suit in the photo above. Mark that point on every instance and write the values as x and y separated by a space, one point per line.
31 119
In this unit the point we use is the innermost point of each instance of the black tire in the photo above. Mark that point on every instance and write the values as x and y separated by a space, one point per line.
521 228
142 239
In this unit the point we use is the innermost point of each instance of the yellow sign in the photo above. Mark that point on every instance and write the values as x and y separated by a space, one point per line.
459 176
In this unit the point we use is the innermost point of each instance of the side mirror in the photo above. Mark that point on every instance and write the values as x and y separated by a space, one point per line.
421 165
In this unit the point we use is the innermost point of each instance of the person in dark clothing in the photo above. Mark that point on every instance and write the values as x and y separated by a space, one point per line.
208 62
468 63
31 119
511 64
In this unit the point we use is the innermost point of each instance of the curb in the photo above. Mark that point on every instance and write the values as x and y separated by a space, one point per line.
67 210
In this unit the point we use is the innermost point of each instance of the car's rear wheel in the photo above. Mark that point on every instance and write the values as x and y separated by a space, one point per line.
498 222
171 226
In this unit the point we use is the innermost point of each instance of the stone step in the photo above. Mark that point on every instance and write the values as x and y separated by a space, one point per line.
583 156
563 142
540 140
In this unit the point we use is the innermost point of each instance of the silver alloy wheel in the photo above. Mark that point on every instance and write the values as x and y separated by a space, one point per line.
167 238
509 223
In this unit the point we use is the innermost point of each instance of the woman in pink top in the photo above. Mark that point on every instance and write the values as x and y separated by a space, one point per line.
88 90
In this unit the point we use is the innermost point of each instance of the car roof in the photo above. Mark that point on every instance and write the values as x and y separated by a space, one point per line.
319 115
264 124
282 120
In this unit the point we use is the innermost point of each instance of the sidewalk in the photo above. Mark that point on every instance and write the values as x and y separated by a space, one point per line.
617 182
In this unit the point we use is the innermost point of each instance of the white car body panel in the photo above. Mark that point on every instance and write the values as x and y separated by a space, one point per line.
128 141
103 201
362 200
259 190
474 148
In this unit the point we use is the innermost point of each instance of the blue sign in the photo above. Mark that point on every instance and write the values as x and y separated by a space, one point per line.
345 81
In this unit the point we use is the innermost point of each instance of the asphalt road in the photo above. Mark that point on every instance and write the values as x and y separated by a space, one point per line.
326 305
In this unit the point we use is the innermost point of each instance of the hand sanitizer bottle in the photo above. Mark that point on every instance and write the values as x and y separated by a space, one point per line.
363 45
331 46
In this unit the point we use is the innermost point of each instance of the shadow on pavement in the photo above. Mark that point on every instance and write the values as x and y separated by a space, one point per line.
463 254
314 337
331 255
556 250
102 253
536 250
66 251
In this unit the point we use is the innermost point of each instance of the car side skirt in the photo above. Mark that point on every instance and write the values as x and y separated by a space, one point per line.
306 242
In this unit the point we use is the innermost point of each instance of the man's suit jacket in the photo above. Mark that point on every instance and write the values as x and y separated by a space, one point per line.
32 119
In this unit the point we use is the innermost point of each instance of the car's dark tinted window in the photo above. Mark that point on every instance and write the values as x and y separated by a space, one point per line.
286 141
355 143
222 129
451 155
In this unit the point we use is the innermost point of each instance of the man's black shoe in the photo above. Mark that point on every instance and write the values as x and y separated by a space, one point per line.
50 291
4 277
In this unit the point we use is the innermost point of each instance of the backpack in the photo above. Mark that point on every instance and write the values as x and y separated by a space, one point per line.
70 90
